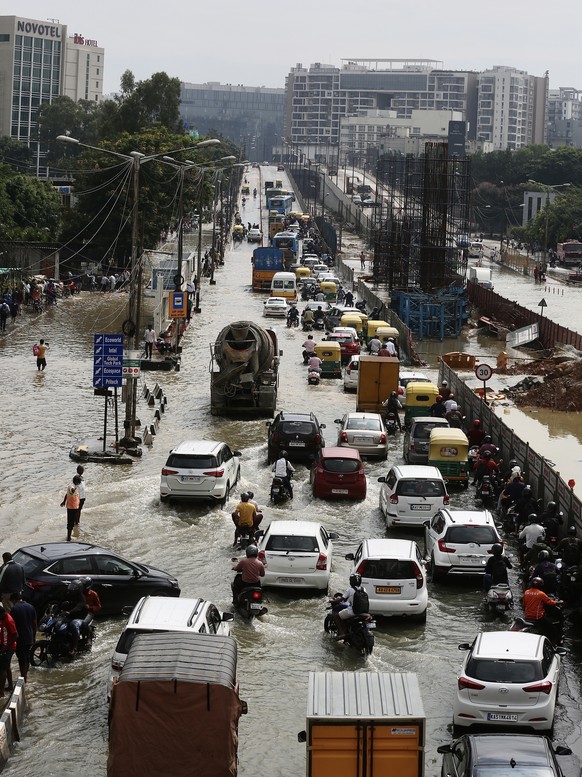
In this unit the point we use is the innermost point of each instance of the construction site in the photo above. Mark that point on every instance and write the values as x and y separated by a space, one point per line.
420 239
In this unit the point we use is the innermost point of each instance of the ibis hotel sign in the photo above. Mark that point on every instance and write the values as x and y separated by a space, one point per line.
39 29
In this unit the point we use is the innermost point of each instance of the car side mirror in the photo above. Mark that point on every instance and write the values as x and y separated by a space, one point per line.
561 750
561 651
259 534
382 479
302 736
426 524
349 556
338 421
444 749
227 616
237 453
322 426
267 423
136 573
464 646
333 535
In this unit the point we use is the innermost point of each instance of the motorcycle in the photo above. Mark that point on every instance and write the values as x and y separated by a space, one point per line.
486 490
557 620
313 377
319 324
58 640
249 601
279 491
391 423
499 598
292 322
359 634
306 356
307 326
472 457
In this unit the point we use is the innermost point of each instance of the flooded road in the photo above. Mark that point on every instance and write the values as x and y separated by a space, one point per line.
66 730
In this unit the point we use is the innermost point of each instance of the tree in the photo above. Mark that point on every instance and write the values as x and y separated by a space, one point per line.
66 117
16 154
31 209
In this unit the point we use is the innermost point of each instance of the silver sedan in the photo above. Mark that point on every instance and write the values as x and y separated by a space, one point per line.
365 432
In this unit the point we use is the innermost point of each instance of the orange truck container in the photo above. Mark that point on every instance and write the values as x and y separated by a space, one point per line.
377 377
364 723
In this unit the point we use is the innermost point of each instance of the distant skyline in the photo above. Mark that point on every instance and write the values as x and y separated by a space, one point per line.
256 43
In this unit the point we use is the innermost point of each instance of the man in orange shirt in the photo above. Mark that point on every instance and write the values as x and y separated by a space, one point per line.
535 600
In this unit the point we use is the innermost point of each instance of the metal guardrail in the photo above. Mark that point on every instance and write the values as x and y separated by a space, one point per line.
545 481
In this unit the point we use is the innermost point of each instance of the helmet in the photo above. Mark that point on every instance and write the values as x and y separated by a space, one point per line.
536 582
476 423
87 583
252 551
439 398
552 507
532 518
444 383
244 497
527 490
486 454
572 530
393 394
355 580
497 549
512 463
543 555
487 438
76 586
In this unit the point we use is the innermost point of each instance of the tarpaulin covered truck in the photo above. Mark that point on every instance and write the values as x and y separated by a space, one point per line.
175 708
364 724
266 262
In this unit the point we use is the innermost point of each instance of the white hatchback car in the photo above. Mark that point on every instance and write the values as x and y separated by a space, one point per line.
351 374
509 679
160 614
459 542
298 554
411 493
200 470
393 576
275 307
365 432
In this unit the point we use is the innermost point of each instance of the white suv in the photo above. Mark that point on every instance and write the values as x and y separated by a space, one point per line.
351 374
200 469
393 576
410 493
459 542
160 614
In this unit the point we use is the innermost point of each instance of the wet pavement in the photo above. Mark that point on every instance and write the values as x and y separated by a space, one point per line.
66 730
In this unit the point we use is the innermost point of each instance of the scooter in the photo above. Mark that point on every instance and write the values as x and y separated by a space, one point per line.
313 377
531 627
306 356
359 634
499 598
58 640
485 490
249 602
319 324
391 423
279 491
306 326
292 322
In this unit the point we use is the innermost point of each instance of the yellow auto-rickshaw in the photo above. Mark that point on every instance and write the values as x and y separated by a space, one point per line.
329 290
238 232
448 451
354 321
419 399
278 183
331 359
245 189
302 274
374 325
386 331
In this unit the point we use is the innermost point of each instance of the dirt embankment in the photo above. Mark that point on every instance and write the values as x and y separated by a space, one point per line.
559 389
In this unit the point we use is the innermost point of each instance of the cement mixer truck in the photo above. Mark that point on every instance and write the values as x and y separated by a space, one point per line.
244 371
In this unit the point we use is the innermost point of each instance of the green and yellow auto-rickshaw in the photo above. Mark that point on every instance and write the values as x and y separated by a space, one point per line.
238 232
331 359
245 189
302 274
374 325
354 321
448 450
386 331
329 290
418 400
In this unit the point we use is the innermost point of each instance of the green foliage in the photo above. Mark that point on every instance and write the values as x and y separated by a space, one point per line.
31 209
16 154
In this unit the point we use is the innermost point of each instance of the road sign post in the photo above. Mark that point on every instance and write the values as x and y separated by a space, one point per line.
484 372
107 368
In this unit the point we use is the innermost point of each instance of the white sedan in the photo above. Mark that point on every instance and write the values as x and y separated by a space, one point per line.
276 307
298 554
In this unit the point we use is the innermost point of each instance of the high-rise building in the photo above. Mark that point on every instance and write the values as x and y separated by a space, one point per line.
565 117
38 63
251 116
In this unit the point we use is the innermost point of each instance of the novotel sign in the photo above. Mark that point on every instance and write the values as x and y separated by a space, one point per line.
35 28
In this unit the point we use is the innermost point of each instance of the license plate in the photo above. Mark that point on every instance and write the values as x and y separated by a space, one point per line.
388 589
290 580
296 444
420 507
474 561
256 606
360 438
339 491
502 716
190 479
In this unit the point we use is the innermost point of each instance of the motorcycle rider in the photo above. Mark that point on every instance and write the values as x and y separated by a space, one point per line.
341 614
75 614
529 534
438 409
487 445
570 548
292 316
485 466
283 469
374 345
244 518
307 319
546 569
525 506
533 553
444 390
308 348
551 519
393 405
476 434
454 415
314 364
92 599
250 570
361 305
535 600
511 494
496 568
319 315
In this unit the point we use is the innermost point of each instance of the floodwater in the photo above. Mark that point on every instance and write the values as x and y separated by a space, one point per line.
66 730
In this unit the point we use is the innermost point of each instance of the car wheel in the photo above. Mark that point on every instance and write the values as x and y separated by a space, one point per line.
224 499
436 576
164 498
237 478
421 618
458 731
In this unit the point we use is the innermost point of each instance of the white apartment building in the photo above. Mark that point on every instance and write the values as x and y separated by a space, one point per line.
565 117
84 64
512 108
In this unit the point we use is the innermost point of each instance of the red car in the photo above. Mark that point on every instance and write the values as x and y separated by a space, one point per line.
338 473
348 342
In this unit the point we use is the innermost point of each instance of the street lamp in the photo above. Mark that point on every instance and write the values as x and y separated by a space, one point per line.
131 326
546 187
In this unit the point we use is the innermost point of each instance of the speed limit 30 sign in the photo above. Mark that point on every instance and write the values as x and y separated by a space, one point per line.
483 372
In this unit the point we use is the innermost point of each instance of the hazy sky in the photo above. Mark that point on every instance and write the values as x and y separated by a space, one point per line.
255 42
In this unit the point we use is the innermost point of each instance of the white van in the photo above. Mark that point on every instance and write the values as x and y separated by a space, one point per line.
284 284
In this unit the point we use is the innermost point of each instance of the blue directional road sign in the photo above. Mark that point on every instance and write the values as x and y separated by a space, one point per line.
107 361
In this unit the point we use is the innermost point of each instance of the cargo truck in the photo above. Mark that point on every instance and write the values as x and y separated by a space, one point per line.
377 377
364 724
266 262
482 276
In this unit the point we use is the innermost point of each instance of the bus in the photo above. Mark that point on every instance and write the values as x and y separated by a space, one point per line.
274 191
283 203
289 244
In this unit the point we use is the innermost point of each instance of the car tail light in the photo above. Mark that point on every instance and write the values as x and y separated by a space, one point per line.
343 437
317 439
393 499
262 556
446 499
418 576
361 569
275 436
361 474
321 562
464 682
444 548
214 473
382 438
257 595
544 687
36 585
166 471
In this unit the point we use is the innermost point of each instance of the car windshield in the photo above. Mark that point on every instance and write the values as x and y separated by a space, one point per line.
504 670
422 430
370 424
296 427
125 641
191 461
28 562
481 535
292 544
341 465
387 569
420 487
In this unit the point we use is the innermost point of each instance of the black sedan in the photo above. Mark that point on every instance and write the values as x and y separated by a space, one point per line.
501 755
51 566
